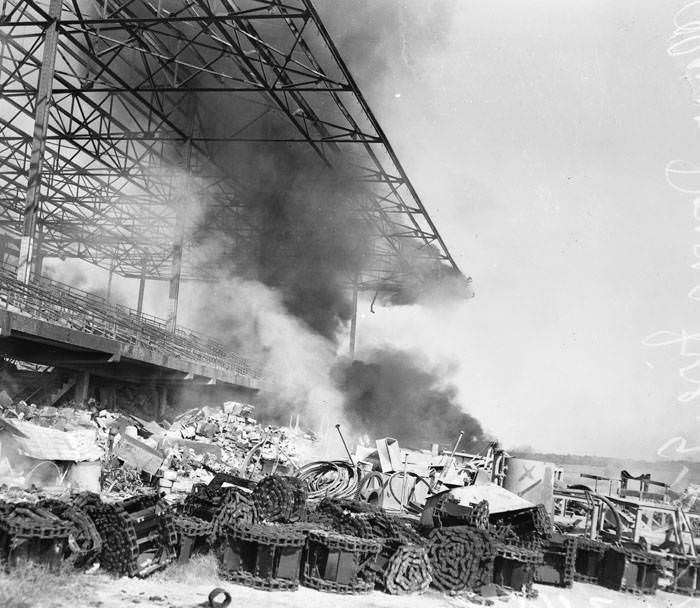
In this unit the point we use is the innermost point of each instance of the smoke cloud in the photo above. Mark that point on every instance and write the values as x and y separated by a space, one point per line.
385 44
284 296
252 319
399 393
311 240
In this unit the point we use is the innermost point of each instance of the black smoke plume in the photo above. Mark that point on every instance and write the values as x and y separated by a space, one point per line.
310 239
399 394
313 241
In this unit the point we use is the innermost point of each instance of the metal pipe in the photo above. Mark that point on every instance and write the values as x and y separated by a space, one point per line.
403 484
452 456
352 462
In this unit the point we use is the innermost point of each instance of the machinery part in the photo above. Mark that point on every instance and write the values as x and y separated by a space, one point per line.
84 542
630 570
591 496
279 498
263 556
410 502
403 568
525 527
237 507
333 515
86 499
192 526
452 457
329 479
371 485
31 533
381 526
138 535
514 567
448 512
214 595
588 565
685 577
461 558
558 565
193 536
219 505
221 478
355 506
406 531
360 519
339 563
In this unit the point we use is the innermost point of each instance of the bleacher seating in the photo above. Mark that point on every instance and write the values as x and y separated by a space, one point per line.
67 306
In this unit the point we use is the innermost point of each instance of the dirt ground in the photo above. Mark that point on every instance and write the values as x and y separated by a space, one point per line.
188 586
182 595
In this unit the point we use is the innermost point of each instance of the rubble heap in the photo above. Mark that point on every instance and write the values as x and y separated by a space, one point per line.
120 454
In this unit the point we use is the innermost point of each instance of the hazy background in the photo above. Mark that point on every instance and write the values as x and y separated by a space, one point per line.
537 135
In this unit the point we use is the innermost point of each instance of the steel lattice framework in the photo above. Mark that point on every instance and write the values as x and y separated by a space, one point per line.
103 107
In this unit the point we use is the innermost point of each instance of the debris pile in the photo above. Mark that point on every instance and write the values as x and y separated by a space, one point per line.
267 535
97 488
120 454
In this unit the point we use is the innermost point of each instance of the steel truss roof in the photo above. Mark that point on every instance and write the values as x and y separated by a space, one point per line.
134 82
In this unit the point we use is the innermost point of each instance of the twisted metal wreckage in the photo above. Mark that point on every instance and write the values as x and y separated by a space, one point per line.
394 519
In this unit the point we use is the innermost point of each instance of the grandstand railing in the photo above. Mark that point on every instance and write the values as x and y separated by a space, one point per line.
68 306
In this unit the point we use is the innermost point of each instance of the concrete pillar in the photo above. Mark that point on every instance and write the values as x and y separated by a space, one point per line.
162 402
108 397
82 388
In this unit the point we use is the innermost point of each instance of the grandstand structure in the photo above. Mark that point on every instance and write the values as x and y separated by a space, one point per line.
114 114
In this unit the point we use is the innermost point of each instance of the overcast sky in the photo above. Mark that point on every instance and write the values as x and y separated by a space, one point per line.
538 135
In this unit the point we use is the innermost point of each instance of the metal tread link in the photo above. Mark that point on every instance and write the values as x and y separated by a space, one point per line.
352 588
263 534
353 544
266 584
192 526
23 525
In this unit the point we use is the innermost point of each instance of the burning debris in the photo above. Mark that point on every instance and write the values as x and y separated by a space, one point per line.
402 395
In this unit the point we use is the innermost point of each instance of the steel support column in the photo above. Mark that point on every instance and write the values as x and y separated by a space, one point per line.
110 278
353 320
175 273
41 121
142 288
38 257
179 237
